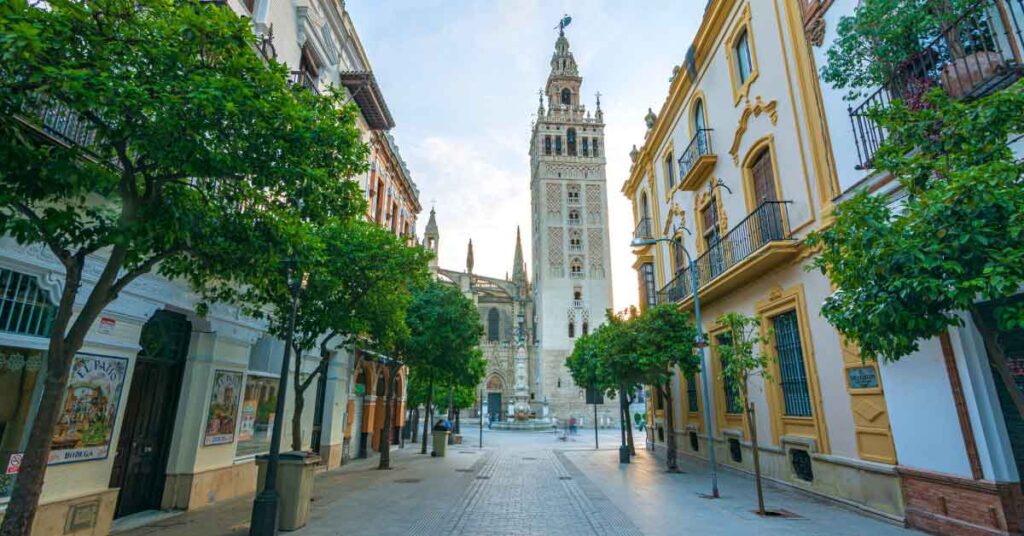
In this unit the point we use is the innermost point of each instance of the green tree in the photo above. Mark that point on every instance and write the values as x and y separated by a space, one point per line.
665 340
876 42
906 270
360 281
195 158
741 361
444 330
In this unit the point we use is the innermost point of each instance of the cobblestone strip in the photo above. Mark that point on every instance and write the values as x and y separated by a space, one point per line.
529 493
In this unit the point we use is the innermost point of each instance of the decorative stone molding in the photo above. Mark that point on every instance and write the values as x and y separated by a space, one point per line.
813 12
755 109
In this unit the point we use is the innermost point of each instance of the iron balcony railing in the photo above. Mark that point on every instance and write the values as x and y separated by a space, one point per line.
643 229
769 222
699 146
976 55
59 121
305 80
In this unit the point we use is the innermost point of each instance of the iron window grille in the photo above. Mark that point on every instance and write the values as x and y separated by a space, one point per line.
735 450
800 460
25 309
793 376
694 441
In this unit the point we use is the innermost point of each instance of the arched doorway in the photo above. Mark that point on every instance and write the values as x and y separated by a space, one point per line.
495 390
140 465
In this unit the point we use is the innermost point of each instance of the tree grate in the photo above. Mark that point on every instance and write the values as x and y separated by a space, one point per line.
408 480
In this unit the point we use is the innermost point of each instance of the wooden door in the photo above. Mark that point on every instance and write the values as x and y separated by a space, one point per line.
140 465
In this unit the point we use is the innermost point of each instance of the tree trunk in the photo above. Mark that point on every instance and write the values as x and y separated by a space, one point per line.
427 415
629 429
300 404
671 463
385 439
458 421
997 359
451 410
752 428
414 423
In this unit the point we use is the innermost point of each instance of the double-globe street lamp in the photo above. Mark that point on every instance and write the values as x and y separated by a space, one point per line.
266 504
701 345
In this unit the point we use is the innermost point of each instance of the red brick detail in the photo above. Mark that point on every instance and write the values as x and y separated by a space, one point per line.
950 505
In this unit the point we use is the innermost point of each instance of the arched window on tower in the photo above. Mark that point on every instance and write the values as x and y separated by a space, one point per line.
570 138
547 145
572 331
566 95
593 146
585 148
574 217
558 145
576 268
575 241
493 324
586 328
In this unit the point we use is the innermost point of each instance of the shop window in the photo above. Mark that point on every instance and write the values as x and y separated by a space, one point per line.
694 441
800 460
259 401
21 384
792 374
735 450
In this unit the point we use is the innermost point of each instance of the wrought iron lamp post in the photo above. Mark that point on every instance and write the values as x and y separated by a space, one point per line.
701 345
266 504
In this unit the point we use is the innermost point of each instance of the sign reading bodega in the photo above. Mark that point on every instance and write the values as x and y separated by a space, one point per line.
89 409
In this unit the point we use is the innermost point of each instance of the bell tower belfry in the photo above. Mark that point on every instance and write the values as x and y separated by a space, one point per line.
569 202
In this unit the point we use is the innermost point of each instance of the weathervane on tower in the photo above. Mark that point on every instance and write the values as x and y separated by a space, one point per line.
566 20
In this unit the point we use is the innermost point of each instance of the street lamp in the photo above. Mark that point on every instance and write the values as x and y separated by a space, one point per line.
701 345
265 505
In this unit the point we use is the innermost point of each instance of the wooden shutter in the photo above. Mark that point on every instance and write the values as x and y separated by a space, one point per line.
764 178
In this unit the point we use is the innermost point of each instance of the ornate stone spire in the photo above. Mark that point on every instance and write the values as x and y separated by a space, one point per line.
469 257
431 239
518 264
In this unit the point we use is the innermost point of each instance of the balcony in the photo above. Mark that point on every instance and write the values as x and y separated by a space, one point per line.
697 160
302 78
643 230
757 244
59 122
577 304
575 248
975 56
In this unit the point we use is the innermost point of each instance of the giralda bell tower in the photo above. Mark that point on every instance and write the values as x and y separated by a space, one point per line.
572 273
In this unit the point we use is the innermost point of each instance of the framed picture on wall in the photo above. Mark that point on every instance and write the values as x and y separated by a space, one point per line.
222 415
89 409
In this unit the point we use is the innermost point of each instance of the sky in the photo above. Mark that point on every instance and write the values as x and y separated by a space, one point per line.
461 78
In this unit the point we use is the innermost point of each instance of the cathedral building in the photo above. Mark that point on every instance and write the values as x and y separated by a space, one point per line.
572 285
505 305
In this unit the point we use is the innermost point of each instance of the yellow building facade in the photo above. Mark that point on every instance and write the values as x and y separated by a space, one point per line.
736 168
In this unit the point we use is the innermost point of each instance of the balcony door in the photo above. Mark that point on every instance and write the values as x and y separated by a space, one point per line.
714 262
762 174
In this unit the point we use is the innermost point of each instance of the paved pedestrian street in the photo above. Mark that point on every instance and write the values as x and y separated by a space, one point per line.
533 484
